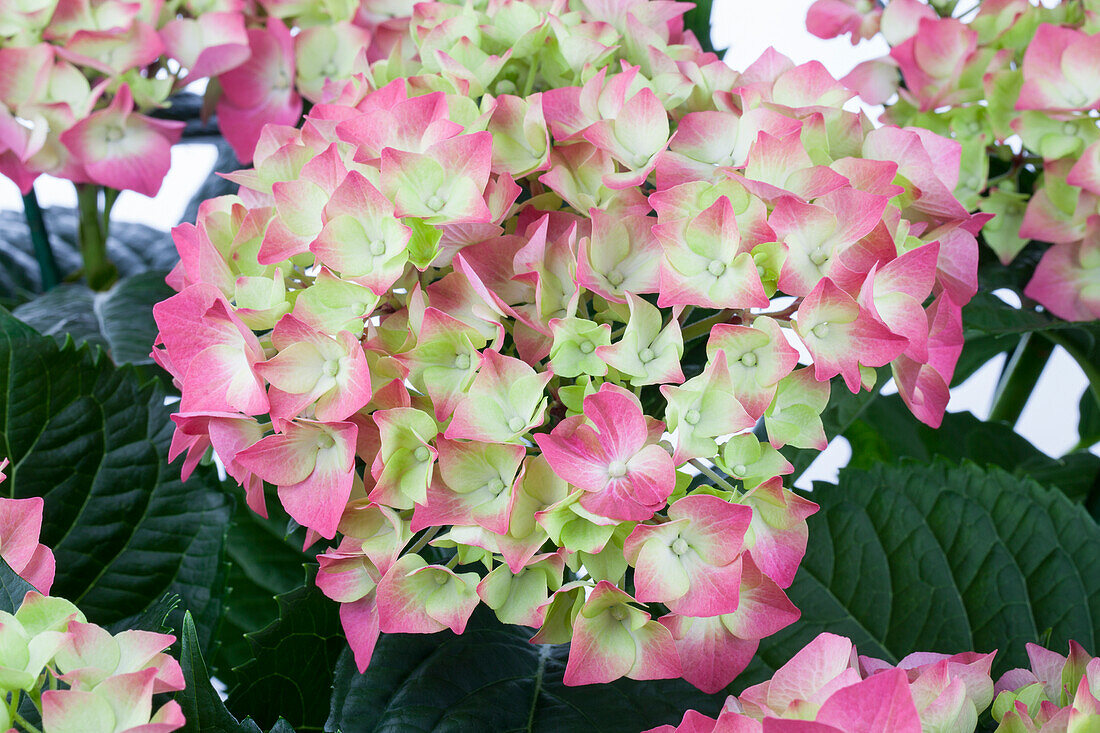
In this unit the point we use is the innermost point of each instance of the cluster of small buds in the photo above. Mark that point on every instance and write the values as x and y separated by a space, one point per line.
828 688
80 677
1017 84
448 317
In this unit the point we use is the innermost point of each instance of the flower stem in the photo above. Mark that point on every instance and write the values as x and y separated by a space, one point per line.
713 476
40 238
99 271
424 539
703 327
529 82
17 718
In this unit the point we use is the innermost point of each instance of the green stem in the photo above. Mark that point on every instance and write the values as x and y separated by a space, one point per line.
529 82
702 328
424 539
706 471
47 265
1018 379
99 271
17 718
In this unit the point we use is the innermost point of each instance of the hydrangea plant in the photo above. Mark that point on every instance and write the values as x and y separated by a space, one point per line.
446 319
525 326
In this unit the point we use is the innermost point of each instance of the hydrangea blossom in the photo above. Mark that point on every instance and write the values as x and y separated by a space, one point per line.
826 686
109 680
452 308
1057 693
1020 80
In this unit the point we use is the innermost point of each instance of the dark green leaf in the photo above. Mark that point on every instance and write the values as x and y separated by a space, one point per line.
943 558
986 314
12 588
992 275
120 319
202 706
93 439
155 618
886 431
979 351
263 563
290 672
491 678
1088 424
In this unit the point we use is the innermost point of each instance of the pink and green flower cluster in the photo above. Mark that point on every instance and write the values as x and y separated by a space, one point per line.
1016 82
79 77
448 316
79 677
1058 694
826 687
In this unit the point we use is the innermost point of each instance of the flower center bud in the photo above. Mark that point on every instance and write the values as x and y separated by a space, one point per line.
515 424
441 578
329 70
646 355
615 278
716 268
974 128
113 134
586 347
505 86
740 469
435 202
282 82
618 613
760 271
462 361
819 257
1077 98
377 247
616 469
640 161
821 330
680 546
749 359
325 441
1068 128
691 417
495 486
422 454
332 366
